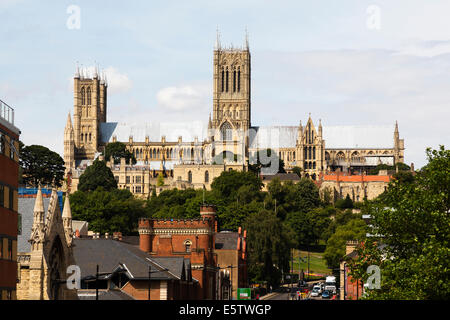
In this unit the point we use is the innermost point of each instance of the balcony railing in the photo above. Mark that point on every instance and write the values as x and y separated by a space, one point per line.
6 112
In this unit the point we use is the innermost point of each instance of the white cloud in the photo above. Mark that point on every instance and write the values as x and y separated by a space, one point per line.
117 82
185 97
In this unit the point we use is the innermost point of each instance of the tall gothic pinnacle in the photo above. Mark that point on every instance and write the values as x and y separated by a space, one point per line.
217 44
77 73
246 45
67 213
69 122
39 203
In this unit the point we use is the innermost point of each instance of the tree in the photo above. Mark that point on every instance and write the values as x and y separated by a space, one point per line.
160 181
97 175
297 171
40 164
118 150
267 162
411 224
346 203
268 247
107 211
228 183
355 229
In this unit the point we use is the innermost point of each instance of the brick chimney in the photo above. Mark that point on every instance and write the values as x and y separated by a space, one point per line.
145 243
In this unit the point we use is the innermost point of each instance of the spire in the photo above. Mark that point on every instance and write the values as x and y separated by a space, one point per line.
39 203
77 73
396 126
209 122
246 46
69 122
320 127
217 44
67 213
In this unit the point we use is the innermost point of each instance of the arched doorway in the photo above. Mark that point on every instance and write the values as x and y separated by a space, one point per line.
57 267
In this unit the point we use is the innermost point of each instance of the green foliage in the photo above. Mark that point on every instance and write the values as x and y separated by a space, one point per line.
346 203
413 223
297 171
107 211
97 175
265 159
268 247
160 181
40 164
355 229
400 166
229 182
118 150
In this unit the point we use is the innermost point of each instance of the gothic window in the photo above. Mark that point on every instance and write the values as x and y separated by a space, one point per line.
327 156
90 137
305 155
239 80
340 156
223 79
309 153
206 176
226 132
89 96
314 165
226 81
83 96
314 153
154 153
190 176
234 80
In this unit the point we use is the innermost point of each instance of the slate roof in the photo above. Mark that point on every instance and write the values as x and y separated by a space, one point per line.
26 207
345 137
171 130
358 137
112 254
226 240
273 137
104 295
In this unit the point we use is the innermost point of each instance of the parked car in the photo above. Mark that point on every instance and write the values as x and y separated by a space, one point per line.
318 288
315 292
326 294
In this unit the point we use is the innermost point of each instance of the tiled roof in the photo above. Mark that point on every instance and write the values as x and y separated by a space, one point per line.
356 178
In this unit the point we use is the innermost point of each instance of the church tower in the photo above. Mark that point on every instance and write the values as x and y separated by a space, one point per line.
231 87
231 100
89 111
311 149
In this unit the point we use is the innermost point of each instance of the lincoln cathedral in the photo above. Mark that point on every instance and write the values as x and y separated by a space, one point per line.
193 157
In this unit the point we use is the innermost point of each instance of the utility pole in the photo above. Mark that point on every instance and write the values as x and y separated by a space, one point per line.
96 284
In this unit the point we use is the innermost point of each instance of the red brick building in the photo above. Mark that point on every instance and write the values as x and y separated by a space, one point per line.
9 183
193 239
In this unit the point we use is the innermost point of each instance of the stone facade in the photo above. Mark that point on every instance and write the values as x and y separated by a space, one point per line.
42 270
229 134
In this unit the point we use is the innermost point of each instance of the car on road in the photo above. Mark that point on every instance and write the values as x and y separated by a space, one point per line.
315 292
318 288
326 294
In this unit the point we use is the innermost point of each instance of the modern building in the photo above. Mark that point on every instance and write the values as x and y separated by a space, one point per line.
9 183
191 155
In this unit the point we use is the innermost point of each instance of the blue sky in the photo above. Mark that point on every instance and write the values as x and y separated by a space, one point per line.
340 60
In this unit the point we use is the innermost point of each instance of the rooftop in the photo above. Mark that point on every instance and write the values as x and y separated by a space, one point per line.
7 117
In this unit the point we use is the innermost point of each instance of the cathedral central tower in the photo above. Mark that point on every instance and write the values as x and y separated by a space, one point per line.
231 88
